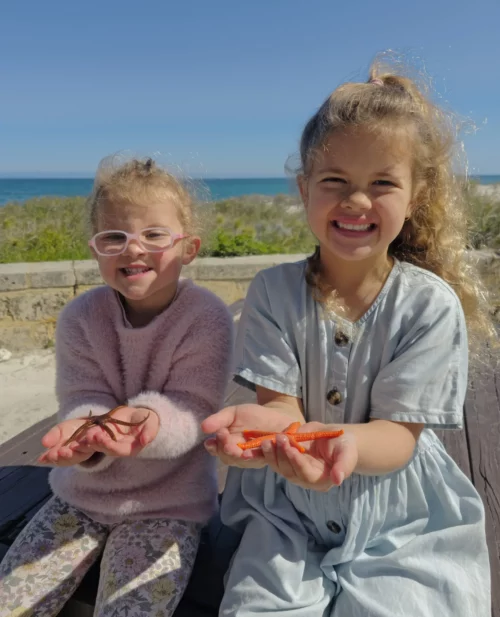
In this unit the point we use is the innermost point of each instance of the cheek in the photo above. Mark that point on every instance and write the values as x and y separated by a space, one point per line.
167 260
106 265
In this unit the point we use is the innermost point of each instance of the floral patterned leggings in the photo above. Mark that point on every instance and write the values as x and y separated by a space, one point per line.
144 570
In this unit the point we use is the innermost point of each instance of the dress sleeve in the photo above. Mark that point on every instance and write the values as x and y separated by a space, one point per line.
265 355
426 381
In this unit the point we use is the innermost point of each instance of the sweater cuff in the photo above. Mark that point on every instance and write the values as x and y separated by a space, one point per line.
98 461
179 430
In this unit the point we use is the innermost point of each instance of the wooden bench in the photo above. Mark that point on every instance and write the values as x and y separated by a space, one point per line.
24 489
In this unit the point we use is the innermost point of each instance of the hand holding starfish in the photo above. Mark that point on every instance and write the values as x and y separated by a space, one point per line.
123 431
254 439
325 462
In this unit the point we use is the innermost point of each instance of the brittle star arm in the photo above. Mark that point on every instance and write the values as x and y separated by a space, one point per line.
255 438
101 421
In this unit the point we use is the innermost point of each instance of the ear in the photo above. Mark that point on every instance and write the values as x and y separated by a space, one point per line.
191 249
302 184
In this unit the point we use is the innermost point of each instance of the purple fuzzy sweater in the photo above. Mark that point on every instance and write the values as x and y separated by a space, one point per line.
178 365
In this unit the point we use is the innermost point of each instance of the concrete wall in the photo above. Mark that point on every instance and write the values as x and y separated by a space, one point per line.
32 294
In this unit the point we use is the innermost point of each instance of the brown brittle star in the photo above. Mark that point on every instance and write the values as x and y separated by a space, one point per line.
255 438
102 421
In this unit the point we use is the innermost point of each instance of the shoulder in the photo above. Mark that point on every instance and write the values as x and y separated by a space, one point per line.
424 291
200 306
420 302
279 282
89 305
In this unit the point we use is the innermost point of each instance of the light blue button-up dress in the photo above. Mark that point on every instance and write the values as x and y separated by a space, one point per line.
410 543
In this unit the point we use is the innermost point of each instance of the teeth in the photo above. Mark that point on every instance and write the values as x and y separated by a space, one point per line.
353 227
135 270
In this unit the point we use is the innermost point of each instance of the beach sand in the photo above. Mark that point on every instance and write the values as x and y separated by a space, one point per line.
27 387
488 190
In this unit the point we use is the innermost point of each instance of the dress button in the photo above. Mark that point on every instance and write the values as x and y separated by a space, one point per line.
333 526
334 397
341 339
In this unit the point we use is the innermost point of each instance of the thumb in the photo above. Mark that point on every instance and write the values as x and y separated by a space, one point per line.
52 438
345 458
149 429
217 421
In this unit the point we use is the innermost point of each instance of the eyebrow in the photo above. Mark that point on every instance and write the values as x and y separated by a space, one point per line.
389 171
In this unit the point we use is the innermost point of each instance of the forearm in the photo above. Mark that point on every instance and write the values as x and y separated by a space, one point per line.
383 446
179 419
282 403
293 412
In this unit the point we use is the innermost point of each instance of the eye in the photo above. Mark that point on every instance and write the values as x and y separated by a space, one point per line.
112 237
153 234
332 179
384 183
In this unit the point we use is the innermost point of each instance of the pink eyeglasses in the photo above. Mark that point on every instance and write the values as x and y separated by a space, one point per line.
152 239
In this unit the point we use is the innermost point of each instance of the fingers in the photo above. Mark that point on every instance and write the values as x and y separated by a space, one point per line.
225 446
64 456
278 456
219 421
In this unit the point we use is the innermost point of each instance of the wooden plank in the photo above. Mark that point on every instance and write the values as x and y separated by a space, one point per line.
483 428
456 444
25 448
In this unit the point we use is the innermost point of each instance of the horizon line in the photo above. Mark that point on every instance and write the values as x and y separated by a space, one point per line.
90 176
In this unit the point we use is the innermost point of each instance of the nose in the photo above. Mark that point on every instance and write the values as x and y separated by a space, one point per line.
134 249
357 200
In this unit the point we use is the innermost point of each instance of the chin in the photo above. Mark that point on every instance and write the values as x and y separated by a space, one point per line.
359 254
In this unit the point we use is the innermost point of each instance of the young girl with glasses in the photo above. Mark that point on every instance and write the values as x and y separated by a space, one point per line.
151 353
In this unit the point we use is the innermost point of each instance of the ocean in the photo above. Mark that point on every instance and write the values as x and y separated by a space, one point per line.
21 189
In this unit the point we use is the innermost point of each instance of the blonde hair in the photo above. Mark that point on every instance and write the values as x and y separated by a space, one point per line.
140 182
435 235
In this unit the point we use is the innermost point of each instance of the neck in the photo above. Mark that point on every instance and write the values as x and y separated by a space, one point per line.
141 312
357 283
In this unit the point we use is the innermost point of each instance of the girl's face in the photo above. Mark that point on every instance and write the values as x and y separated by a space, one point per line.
358 194
147 281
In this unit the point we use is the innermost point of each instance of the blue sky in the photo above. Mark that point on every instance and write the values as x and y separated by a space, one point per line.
221 88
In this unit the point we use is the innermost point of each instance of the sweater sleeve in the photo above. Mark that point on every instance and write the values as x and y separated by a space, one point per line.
195 385
81 385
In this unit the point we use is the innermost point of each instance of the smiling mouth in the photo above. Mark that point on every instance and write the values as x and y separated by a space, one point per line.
352 227
132 271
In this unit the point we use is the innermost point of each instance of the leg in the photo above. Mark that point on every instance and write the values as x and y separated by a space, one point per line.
415 544
276 573
146 567
276 569
48 560
421 579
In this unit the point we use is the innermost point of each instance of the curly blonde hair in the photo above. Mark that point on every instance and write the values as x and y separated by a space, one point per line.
435 235
136 181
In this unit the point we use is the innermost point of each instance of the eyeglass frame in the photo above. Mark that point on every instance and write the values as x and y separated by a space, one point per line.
136 236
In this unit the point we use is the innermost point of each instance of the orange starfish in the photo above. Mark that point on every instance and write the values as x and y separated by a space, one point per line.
254 439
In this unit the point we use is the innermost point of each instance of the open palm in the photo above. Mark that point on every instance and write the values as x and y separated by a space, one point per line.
325 463
228 426
58 452
126 440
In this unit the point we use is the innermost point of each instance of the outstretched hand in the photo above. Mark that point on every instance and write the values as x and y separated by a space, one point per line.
57 452
128 440
228 426
326 462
